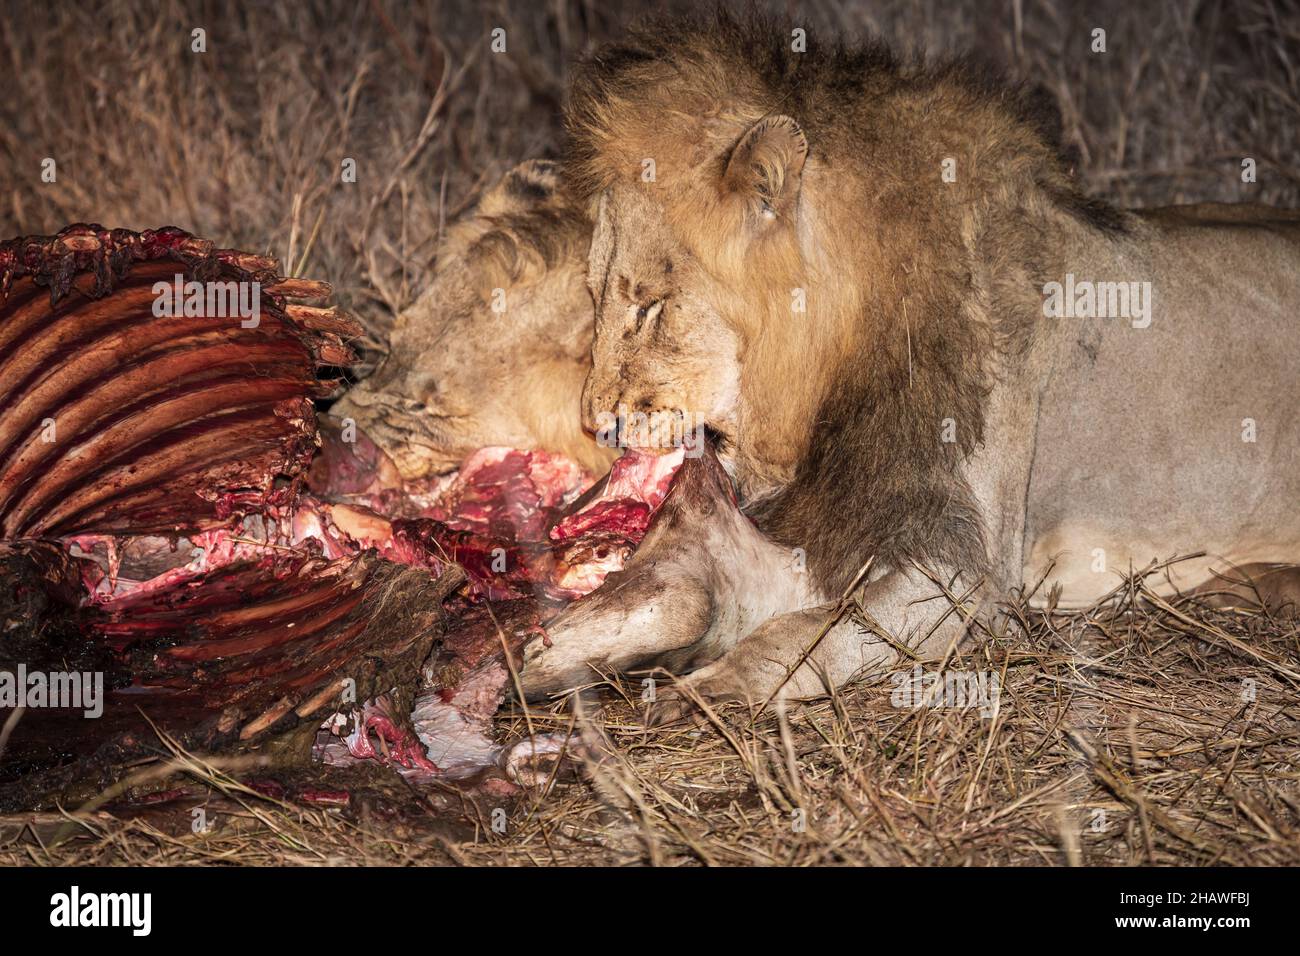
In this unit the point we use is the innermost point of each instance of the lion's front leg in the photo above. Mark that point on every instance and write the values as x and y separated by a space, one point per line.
807 653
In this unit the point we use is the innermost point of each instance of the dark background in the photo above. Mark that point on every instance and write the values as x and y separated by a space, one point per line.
243 143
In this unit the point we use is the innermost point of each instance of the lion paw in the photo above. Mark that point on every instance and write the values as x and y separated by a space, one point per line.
689 701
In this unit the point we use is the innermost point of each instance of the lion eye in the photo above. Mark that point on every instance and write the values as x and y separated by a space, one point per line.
648 312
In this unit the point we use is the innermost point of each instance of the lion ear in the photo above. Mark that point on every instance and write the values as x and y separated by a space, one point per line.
766 165
529 185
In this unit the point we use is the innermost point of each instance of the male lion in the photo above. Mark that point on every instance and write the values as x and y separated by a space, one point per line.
495 350
849 268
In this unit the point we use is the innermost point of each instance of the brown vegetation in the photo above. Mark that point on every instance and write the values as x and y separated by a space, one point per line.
1132 733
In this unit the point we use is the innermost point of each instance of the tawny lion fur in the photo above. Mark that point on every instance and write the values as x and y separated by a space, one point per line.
495 350
777 249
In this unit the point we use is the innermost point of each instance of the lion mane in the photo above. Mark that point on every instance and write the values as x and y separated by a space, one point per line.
923 288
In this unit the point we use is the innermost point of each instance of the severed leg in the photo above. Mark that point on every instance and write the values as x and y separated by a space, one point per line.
702 578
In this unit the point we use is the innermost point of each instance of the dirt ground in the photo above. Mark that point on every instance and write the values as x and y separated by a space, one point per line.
1138 732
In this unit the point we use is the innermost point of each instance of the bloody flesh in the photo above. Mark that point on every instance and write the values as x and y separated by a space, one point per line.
163 521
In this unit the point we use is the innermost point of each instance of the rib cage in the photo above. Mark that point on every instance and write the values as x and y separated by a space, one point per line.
116 422
148 415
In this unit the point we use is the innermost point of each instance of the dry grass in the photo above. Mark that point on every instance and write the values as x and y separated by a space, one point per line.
1136 733
1124 735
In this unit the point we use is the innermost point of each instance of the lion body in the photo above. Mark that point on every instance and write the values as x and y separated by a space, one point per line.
1177 438
848 268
